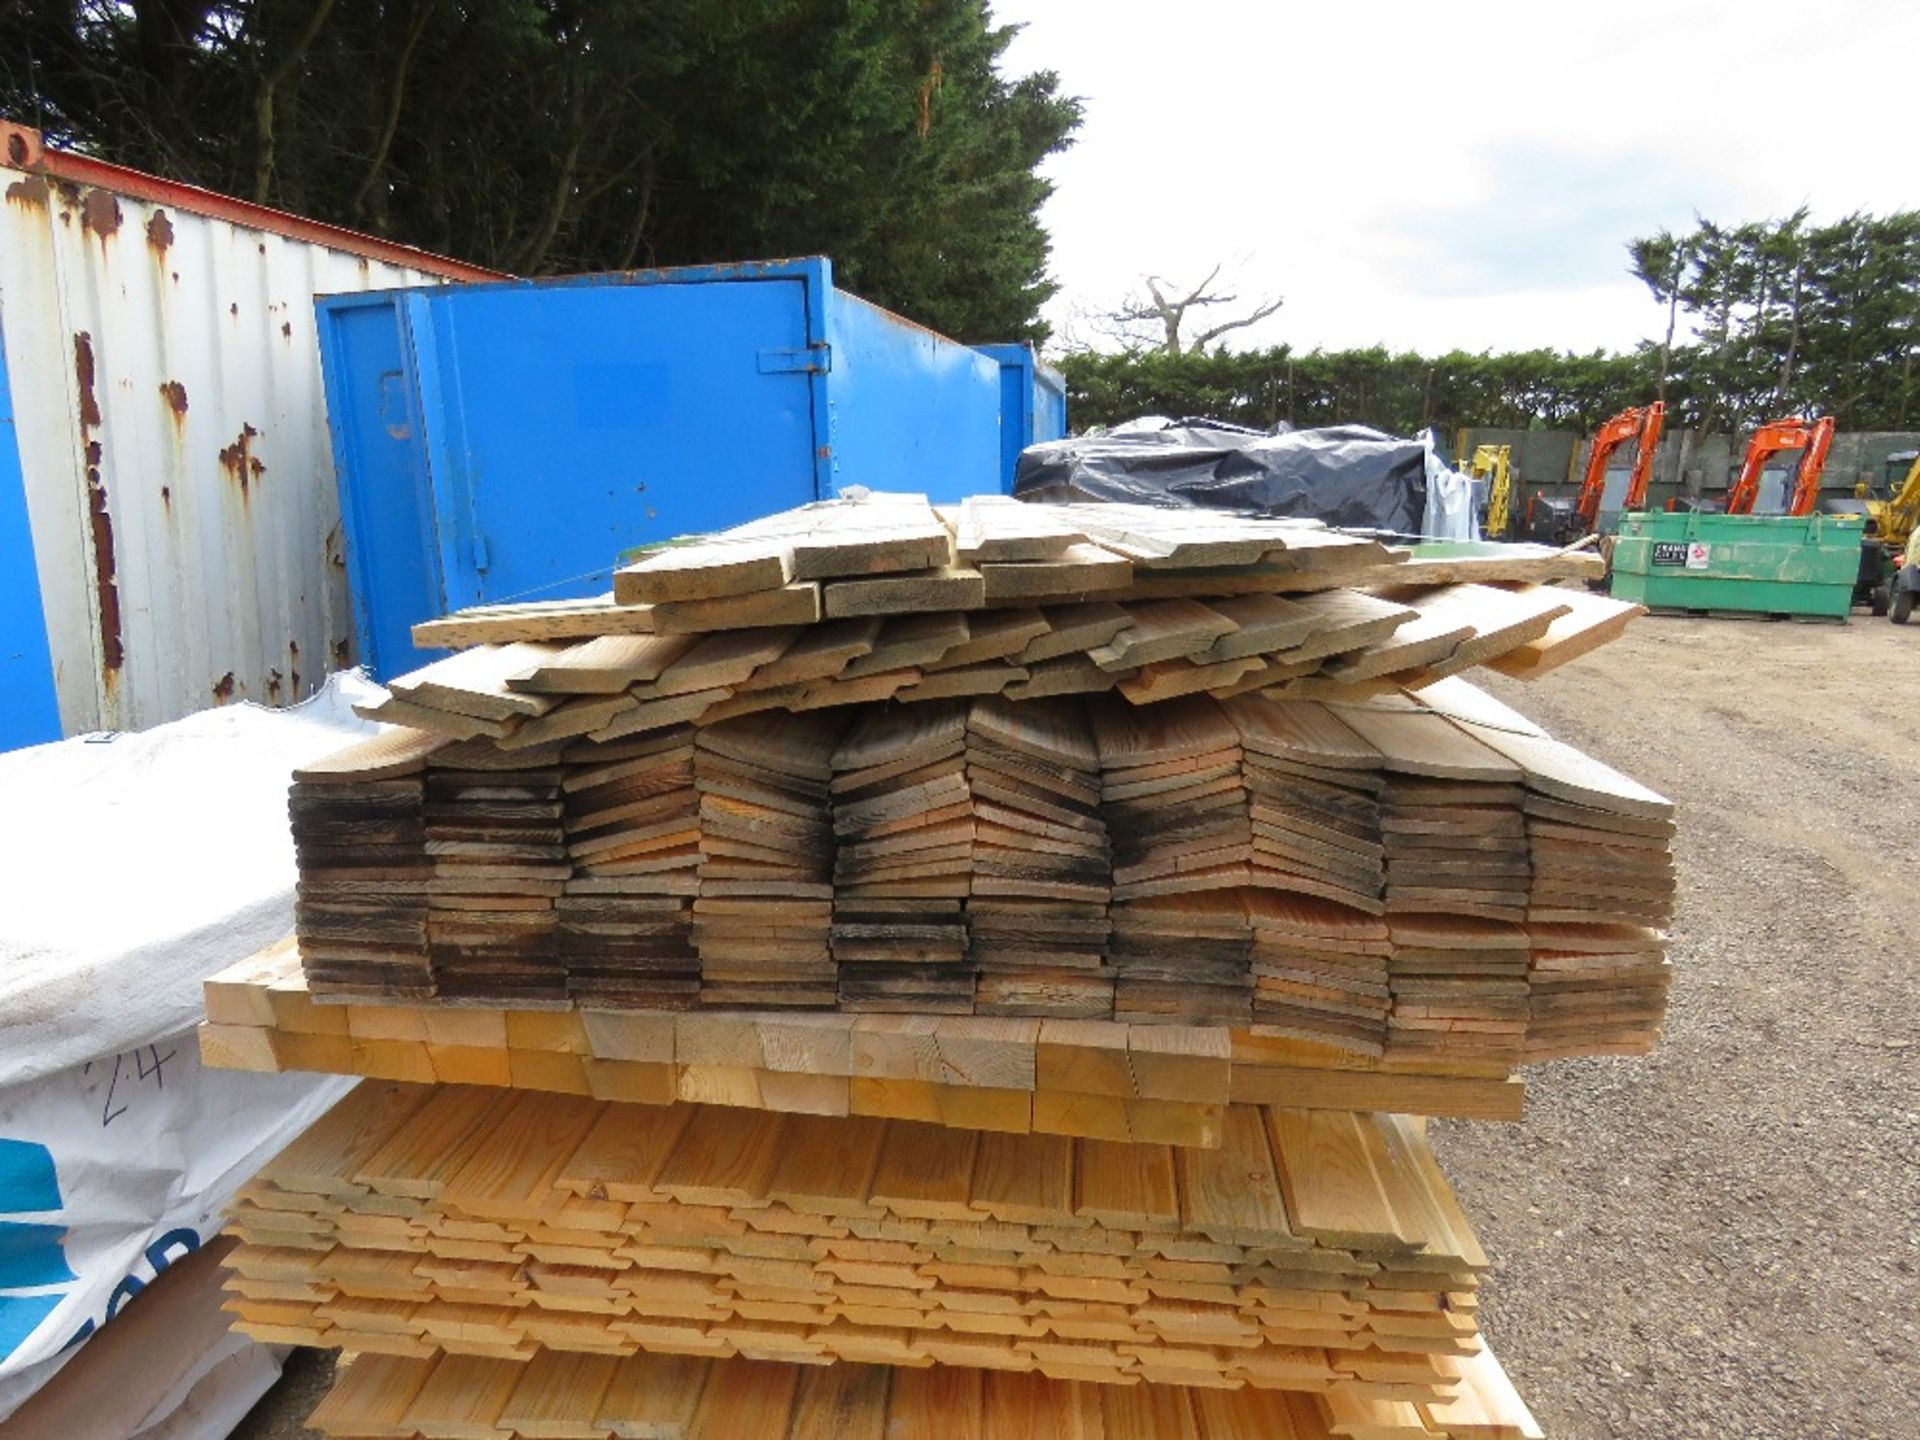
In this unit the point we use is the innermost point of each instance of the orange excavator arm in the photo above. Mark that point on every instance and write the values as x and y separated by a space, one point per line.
1643 424
1815 437
1653 422
1813 464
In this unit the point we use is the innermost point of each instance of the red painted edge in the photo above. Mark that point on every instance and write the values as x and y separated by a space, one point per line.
23 149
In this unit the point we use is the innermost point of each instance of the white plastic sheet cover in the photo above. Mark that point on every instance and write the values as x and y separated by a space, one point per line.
136 866
1453 511
133 866
113 1170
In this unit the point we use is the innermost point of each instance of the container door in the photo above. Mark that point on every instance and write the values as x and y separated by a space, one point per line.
380 455
573 421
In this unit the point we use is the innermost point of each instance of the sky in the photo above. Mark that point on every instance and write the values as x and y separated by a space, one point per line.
1463 174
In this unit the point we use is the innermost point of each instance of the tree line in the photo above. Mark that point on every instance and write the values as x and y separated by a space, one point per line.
1764 320
547 136
1401 393
1789 318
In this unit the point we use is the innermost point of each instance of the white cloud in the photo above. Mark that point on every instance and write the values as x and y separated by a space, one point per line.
1466 175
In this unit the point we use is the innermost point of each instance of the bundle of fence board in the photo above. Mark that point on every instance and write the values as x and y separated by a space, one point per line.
766 869
1316 1250
359 838
626 914
559 1396
1374 876
883 597
973 866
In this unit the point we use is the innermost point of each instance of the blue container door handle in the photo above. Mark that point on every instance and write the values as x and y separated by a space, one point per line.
813 360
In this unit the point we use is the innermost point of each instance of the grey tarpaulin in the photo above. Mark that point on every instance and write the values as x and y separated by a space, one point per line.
1346 475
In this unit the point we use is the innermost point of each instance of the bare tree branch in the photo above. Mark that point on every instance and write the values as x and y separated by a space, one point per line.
1170 314
1261 312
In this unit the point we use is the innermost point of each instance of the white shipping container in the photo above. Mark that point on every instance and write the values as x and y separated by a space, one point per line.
159 344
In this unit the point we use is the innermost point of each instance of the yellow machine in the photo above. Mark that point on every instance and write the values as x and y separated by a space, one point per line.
1894 515
1892 509
1494 464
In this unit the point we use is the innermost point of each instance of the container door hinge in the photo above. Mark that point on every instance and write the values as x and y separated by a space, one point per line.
479 551
814 359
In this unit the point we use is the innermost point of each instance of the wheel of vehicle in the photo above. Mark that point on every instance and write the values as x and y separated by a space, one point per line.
1901 608
1880 600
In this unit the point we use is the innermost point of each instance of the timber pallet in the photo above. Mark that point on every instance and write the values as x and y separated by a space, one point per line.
1092 1079
586 1397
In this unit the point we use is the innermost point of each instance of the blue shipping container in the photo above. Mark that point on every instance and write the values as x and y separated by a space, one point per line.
502 442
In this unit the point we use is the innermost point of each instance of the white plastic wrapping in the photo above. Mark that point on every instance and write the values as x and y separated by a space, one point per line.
135 866
1453 511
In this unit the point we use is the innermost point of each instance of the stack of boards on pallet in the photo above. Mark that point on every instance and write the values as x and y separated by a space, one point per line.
1389 879
518 1245
897 971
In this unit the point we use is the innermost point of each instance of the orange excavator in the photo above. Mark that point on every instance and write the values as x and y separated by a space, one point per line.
1643 424
1814 437
1558 522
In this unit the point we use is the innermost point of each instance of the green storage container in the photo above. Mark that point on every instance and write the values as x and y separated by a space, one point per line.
1763 564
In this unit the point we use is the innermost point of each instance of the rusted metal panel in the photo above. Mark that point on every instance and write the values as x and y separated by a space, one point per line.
172 435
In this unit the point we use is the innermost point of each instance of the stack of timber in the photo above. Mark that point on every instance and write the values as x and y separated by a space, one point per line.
1313 1250
498 848
587 1397
360 844
765 910
1170 783
973 869
1397 879
889 970
1093 1079
626 914
852 601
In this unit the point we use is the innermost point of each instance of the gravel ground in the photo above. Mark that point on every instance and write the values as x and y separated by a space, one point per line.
1721 1240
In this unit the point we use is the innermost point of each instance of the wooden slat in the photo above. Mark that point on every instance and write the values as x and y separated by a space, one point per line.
1069 1062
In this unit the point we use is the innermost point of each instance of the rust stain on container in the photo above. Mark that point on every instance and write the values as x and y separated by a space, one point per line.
106 587
274 681
223 688
286 330
29 190
159 232
175 394
83 372
243 467
113 652
100 213
293 665
342 653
